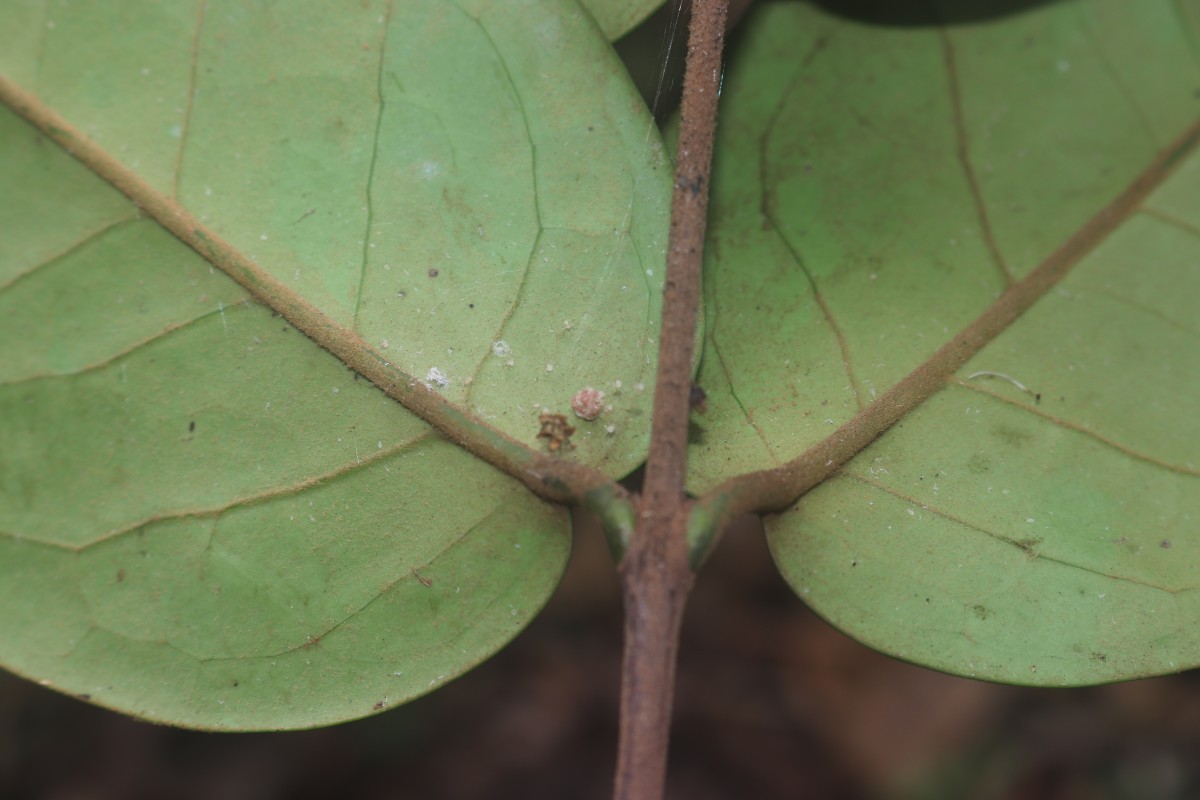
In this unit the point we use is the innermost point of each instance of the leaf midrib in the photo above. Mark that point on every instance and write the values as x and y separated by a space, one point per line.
560 480
773 490
554 479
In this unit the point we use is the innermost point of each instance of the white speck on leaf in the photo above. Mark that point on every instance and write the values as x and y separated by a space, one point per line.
500 348
435 377
987 373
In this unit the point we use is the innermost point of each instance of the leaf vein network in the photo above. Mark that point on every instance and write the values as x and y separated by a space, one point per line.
1114 75
766 208
733 392
963 151
1033 552
130 350
366 243
215 512
1189 32
409 576
74 247
1148 310
1170 219
1080 429
518 296
189 100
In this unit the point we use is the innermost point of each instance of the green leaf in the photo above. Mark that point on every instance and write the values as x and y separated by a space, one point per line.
205 518
466 180
885 205
1044 542
617 17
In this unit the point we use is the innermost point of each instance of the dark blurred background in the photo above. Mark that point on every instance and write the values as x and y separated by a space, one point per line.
771 703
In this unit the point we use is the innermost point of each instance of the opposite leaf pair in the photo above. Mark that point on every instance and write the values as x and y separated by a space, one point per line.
207 519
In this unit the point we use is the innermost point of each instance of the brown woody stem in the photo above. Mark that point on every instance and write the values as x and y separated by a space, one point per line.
656 573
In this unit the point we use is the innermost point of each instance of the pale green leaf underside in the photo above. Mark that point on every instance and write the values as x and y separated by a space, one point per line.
617 17
901 179
474 188
1052 542
877 188
206 519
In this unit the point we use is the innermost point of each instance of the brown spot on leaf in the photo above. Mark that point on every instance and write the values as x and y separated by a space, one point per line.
556 429
978 464
1012 437
1029 545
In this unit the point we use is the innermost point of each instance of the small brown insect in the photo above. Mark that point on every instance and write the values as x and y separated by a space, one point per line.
556 429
